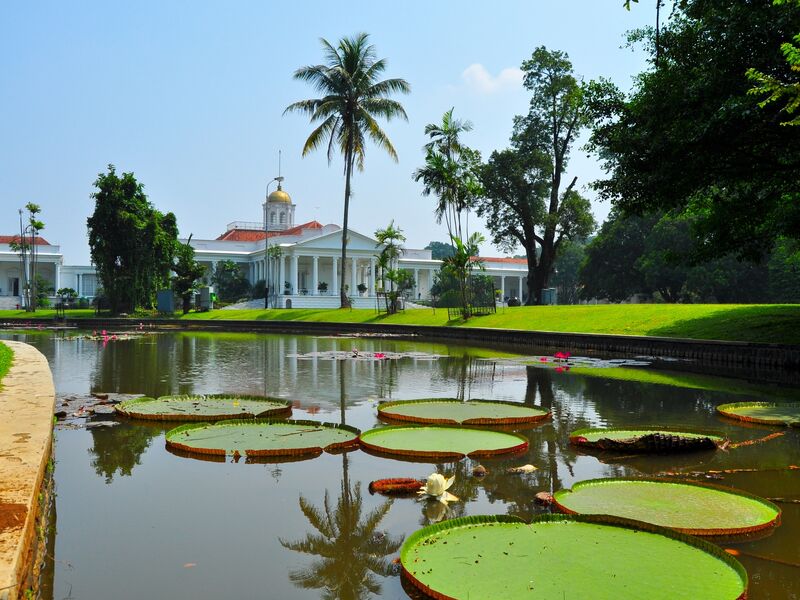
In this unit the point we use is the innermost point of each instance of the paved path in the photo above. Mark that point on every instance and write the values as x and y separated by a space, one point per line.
26 435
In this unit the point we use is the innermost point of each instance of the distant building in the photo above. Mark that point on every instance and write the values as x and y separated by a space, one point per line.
303 263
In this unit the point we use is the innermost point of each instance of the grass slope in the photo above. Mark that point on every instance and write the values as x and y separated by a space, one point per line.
773 323
5 361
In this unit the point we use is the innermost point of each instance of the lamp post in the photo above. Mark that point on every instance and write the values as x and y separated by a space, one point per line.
266 241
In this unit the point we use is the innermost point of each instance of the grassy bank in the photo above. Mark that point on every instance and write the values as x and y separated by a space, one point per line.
6 355
737 322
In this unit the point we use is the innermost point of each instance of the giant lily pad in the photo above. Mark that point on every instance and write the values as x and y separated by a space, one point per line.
688 507
204 408
441 442
262 437
559 556
455 412
646 439
769 413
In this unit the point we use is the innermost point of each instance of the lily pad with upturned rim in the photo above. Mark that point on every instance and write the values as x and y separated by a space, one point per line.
262 437
216 407
768 413
688 507
566 556
455 412
441 443
646 439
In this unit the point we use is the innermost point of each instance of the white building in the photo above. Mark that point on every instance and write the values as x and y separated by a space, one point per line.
303 262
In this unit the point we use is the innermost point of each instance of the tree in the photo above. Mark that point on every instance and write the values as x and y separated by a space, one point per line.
774 88
27 247
461 265
691 139
187 273
230 284
566 270
450 173
439 250
352 99
524 203
131 243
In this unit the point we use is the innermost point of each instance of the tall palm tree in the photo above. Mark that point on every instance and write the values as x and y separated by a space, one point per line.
352 98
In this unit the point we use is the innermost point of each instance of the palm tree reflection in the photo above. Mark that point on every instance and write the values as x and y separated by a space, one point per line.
351 550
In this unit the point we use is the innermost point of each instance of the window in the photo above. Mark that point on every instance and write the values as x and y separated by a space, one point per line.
272 218
283 218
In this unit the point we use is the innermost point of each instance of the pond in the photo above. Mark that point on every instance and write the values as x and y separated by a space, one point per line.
134 520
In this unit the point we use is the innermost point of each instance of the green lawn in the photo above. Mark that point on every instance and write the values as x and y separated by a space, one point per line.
757 323
5 361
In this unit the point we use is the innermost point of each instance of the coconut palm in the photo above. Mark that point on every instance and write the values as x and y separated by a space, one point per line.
352 97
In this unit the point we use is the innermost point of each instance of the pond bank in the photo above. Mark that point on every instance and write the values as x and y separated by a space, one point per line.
26 437
757 359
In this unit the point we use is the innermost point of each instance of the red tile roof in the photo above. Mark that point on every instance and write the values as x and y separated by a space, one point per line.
502 259
7 239
254 235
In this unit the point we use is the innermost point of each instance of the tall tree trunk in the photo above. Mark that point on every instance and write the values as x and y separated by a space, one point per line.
344 301
530 253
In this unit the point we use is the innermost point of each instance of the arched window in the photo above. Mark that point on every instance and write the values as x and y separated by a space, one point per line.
283 218
272 218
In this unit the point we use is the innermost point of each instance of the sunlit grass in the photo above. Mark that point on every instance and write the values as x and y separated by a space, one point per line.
771 323
6 355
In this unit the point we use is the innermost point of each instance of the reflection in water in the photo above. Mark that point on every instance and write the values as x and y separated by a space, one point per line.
350 548
117 450
348 552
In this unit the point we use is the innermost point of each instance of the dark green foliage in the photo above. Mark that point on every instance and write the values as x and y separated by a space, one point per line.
6 355
566 270
131 243
692 139
440 250
187 273
230 284
43 289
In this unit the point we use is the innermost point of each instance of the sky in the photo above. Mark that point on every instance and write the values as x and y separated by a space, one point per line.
189 96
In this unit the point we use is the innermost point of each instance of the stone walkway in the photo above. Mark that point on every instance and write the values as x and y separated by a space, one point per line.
26 436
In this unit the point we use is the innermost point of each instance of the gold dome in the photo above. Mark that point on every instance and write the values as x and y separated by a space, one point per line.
279 196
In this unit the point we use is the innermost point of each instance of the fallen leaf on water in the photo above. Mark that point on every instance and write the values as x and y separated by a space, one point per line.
189 565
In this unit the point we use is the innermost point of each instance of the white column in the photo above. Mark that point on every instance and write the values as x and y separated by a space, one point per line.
314 275
353 271
78 283
335 282
295 274
372 279
282 274
416 282
502 286
520 289
57 277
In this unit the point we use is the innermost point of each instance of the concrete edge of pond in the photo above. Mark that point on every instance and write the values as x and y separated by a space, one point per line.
27 402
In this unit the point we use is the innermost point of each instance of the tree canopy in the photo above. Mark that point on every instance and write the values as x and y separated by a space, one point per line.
691 138
132 244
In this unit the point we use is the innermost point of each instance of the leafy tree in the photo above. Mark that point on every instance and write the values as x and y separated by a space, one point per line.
229 281
187 273
439 250
27 247
460 267
609 269
451 173
776 88
524 202
691 138
352 98
132 244
566 270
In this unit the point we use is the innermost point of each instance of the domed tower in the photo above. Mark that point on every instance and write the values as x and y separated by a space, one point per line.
279 210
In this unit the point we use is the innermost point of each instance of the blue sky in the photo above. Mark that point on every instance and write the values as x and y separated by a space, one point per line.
190 95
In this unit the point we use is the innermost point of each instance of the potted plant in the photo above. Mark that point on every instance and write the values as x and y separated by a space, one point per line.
362 288
322 287
287 288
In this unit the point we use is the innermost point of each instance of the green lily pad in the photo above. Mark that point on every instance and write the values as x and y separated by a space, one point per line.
262 437
688 507
560 556
769 413
646 439
456 412
204 408
441 442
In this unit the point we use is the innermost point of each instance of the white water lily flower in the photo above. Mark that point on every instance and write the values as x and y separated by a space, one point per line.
436 487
